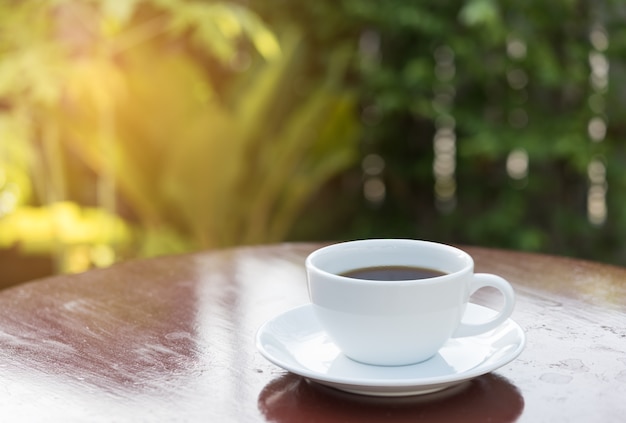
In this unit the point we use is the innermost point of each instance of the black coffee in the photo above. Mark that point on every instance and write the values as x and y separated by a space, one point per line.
392 273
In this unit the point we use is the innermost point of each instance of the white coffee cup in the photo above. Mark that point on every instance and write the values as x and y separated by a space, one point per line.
392 323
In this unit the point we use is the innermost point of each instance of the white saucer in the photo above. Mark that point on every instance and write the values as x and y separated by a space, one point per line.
296 342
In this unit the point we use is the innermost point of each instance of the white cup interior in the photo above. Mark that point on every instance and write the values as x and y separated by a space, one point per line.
343 257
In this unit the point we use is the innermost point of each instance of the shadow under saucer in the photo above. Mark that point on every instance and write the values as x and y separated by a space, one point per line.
292 398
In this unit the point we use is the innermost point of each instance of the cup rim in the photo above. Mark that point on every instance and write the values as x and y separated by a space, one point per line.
467 267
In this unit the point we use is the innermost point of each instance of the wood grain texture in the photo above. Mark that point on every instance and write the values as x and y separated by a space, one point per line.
172 339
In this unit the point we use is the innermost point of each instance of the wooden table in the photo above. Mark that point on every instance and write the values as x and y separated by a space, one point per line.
172 339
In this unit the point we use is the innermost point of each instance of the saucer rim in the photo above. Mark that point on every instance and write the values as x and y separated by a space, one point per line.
423 383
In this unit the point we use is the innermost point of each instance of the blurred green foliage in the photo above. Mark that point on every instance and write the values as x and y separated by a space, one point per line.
158 126
522 76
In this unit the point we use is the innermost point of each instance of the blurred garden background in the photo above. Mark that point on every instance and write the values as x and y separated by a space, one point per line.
144 127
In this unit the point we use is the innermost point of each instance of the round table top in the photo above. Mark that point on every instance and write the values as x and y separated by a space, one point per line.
173 339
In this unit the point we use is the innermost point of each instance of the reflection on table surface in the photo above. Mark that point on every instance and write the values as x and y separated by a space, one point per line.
290 398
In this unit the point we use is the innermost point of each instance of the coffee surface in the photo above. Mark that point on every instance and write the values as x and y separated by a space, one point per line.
392 273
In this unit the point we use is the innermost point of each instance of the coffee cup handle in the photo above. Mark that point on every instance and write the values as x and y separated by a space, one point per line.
483 280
